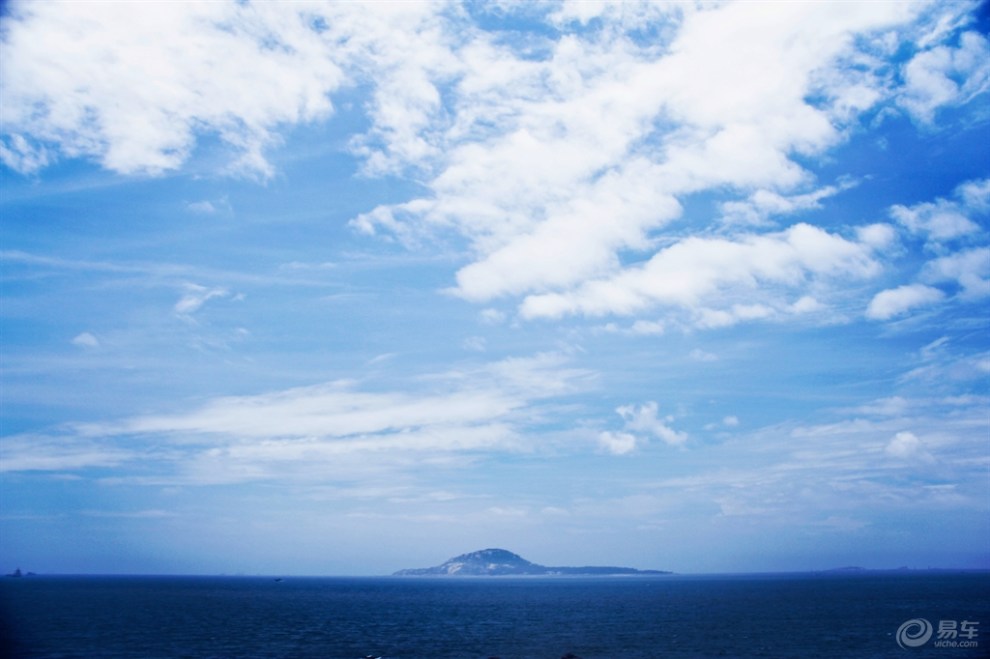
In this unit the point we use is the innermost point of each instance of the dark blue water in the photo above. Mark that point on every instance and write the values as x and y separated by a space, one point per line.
727 616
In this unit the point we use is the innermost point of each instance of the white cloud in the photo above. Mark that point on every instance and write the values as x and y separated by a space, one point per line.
712 318
208 207
730 421
940 220
896 301
695 272
195 297
765 203
945 223
644 419
877 236
945 76
101 81
475 343
59 453
975 195
324 430
648 328
806 304
492 316
549 195
700 355
506 135
969 268
205 207
941 362
327 411
893 406
906 446
86 340
404 50
617 443
153 513
947 219
629 14
841 523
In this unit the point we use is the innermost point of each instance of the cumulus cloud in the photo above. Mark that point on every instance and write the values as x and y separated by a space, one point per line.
134 85
946 75
806 304
975 195
617 443
641 419
763 204
550 196
940 221
696 272
947 219
969 268
561 209
950 227
896 301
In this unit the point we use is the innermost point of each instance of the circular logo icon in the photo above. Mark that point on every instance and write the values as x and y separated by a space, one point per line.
914 633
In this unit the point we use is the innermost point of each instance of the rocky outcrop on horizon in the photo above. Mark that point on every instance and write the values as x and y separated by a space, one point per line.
500 562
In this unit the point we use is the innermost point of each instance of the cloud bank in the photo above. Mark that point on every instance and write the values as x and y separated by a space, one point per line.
559 157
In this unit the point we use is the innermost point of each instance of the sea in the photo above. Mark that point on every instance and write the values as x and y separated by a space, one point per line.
848 615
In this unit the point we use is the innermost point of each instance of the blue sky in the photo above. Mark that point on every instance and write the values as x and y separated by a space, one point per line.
302 288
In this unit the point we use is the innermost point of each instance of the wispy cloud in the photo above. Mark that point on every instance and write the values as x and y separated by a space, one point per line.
210 207
64 452
164 273
195 297
319 431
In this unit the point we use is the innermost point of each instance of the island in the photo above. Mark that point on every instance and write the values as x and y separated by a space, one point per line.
500 562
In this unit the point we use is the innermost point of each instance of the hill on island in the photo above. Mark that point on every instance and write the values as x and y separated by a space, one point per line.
500 562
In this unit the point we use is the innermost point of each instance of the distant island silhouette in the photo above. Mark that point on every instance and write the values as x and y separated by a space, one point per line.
501 562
